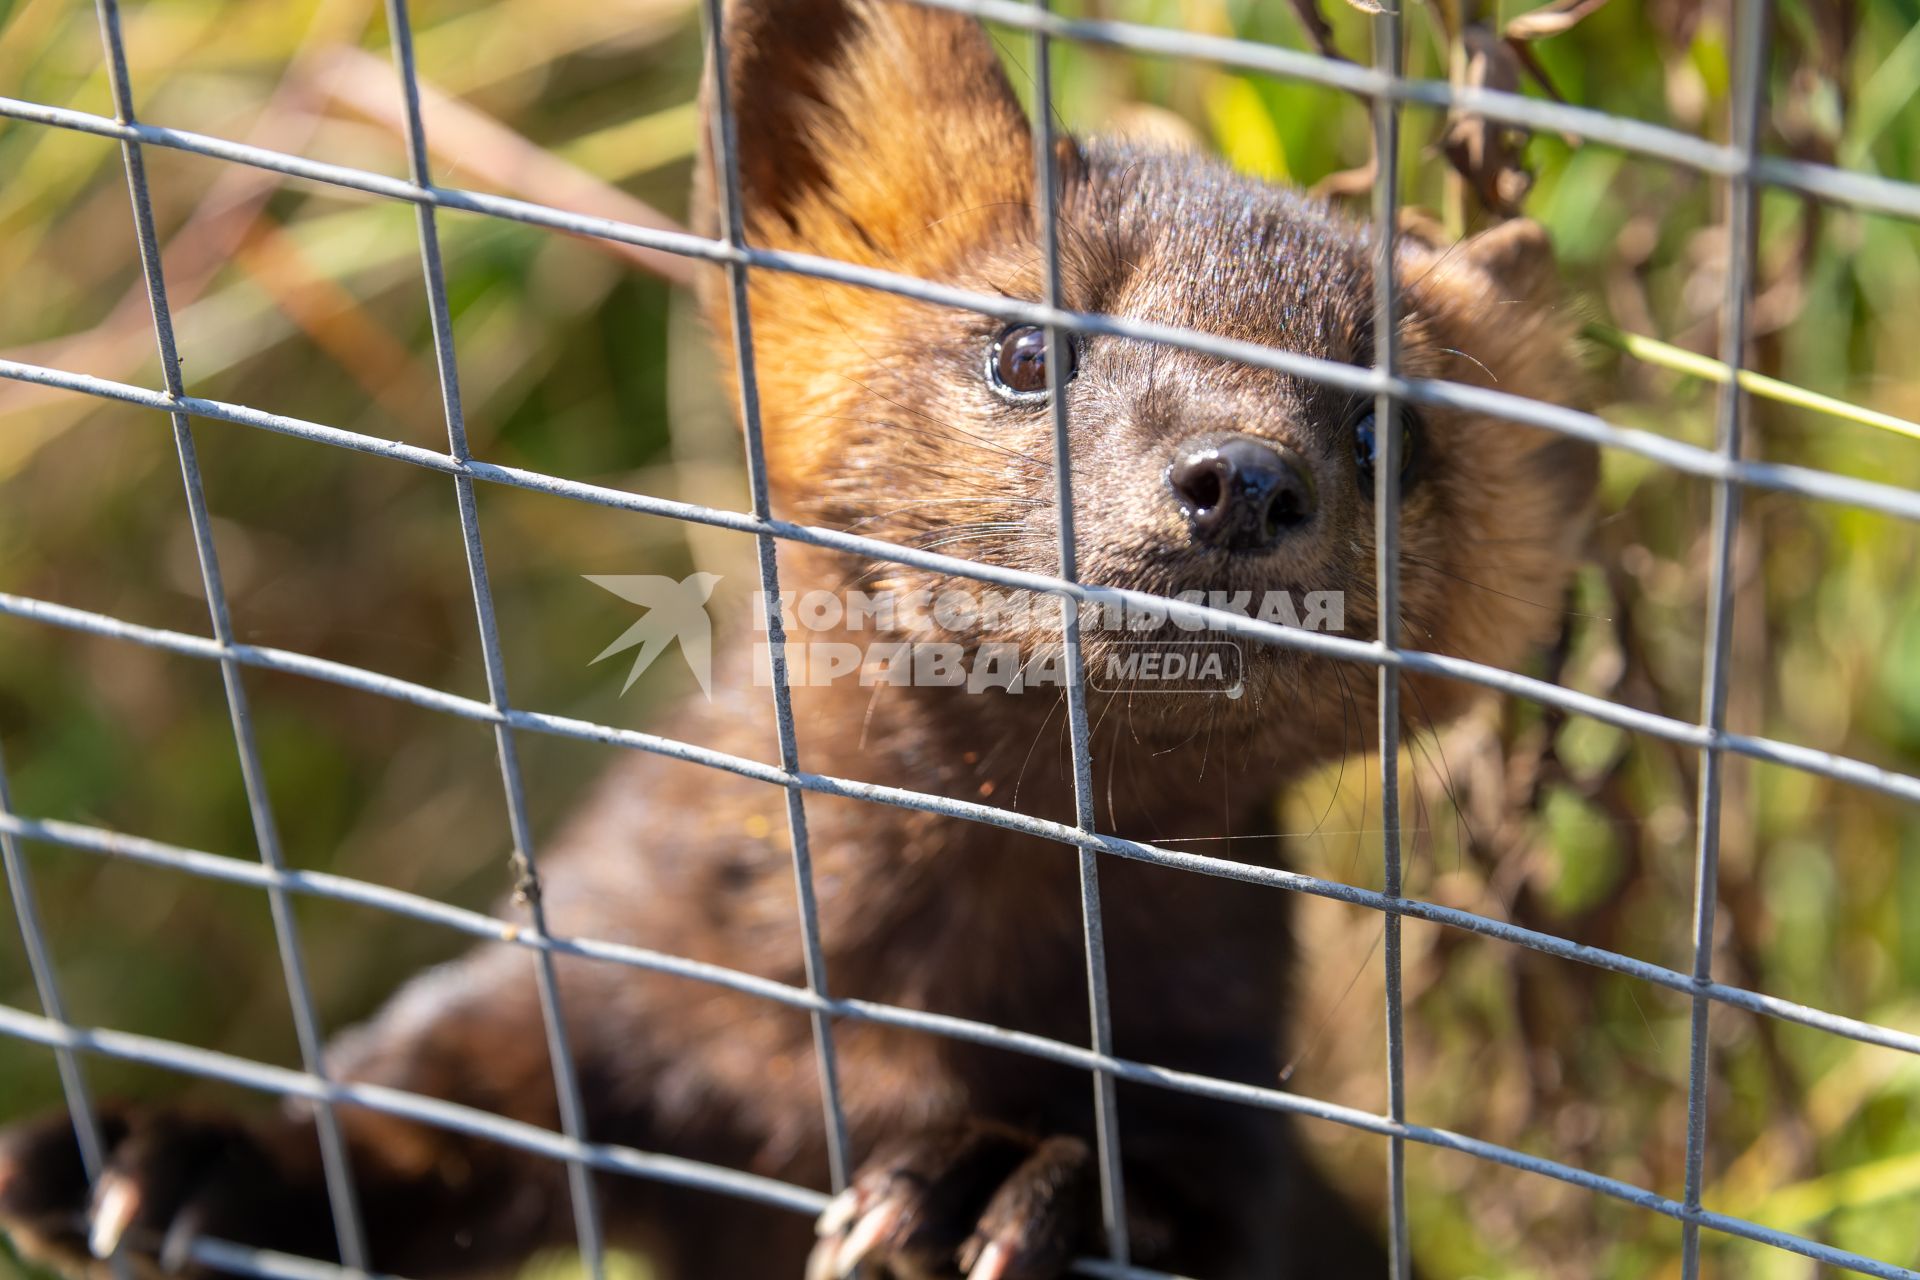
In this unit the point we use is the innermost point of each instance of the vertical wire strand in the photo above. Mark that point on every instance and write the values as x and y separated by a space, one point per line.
46 982
1113 1204
1386 516
1752 22
566 1078
733 218
336 1169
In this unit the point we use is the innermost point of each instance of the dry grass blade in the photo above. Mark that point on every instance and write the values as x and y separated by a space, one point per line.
1678 359
482 146
1552 19
338 324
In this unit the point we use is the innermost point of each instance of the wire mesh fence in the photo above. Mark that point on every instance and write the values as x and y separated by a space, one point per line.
1739 164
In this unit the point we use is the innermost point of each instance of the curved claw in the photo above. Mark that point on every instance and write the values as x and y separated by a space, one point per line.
981 1201
176 1249
876 1225
994 1263
850 1229
839 1214
116 1203
823 1259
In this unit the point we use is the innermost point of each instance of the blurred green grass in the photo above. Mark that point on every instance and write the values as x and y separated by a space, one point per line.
308 302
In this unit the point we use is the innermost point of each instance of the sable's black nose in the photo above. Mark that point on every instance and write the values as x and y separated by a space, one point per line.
1241 494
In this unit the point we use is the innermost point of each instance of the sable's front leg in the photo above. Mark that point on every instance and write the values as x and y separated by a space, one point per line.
170 1177
432 1202
979 1200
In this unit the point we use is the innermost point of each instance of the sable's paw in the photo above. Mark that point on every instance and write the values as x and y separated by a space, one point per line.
982 1202
169 1179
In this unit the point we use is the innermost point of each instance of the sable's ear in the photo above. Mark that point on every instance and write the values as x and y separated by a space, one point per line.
861 122
1517 257
1516 261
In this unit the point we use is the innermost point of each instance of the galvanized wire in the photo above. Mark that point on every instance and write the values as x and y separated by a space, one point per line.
46 985
1825 764
726 158
1386 570
1678 455
337 1171
1113 1197
1752 22
1737 161
566 1077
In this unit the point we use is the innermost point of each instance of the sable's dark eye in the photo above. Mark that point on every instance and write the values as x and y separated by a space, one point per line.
1366 447
1017 364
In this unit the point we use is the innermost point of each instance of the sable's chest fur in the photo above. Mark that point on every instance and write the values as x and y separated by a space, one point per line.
933 912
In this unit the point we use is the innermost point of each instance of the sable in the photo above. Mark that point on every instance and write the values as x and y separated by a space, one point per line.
889 135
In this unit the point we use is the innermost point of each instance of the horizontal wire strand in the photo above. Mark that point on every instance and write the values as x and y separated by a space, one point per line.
1790 755
345 889
1677 455
612 1158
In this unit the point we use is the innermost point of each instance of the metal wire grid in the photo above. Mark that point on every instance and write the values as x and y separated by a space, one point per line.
1386 576
1739 163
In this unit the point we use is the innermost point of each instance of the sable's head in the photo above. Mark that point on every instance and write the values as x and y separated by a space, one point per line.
888 135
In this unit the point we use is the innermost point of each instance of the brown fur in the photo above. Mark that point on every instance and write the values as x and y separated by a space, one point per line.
889 136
